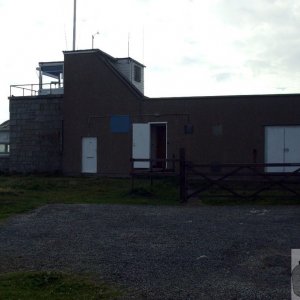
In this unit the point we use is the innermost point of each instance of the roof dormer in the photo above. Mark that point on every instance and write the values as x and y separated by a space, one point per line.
132 70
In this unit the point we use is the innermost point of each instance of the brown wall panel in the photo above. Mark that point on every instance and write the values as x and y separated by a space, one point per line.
225 128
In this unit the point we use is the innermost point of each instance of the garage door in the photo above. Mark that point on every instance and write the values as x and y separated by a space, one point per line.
282 145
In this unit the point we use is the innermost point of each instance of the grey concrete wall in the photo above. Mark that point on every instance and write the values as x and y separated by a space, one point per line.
4 164
36 134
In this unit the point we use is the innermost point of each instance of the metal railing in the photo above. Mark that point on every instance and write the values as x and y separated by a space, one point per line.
30 90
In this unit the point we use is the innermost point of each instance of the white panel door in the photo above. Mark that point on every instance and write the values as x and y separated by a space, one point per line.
89 155
292 146
141 144
274 147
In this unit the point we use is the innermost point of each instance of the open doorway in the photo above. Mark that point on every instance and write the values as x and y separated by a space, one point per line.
149 141
158 133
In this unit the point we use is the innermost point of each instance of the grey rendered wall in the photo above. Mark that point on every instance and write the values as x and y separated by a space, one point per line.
36 134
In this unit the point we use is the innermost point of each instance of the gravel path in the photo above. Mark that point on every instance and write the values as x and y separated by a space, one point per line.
161 252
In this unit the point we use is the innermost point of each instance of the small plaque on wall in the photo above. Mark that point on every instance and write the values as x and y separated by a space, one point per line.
188 129
120 124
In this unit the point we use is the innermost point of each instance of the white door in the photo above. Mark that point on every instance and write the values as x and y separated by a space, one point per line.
282 145
89 155
141 144
292 146
274 145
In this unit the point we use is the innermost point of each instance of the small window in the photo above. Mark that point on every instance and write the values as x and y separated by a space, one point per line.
137 74
4 148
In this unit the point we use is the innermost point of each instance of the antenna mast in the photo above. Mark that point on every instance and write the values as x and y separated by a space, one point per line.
74 26
143 45
128 43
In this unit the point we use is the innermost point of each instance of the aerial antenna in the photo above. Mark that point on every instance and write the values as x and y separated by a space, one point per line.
93 37
74 26
66 39
143 55
128 43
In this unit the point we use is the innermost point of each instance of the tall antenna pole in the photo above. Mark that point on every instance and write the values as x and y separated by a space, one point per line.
74 26
128 43
143 56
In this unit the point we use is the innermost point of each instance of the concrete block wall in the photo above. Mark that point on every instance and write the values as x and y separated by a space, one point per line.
36 134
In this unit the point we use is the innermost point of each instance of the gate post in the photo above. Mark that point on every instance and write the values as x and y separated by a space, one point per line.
182 175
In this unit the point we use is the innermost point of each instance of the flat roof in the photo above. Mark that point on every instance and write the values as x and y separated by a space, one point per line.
223 96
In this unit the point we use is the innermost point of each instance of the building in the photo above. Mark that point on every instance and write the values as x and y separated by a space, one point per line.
4 146
94 117
4 138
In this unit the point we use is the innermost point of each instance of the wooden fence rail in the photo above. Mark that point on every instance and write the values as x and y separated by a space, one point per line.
239 180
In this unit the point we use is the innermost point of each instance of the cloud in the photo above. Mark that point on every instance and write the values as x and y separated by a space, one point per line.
189 60
225 46
233 46
256 12
223 76
266 37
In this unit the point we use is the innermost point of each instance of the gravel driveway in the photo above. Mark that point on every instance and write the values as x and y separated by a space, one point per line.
160 252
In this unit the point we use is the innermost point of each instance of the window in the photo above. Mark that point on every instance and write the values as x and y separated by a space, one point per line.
4 149
4 142
137 74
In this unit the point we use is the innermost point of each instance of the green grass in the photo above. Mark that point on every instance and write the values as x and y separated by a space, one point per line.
23 193
53 286
19 194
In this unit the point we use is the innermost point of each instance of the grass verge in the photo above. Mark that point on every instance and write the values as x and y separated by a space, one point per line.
22 193
19 194
50 285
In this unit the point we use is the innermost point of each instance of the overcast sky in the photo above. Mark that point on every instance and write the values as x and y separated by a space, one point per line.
190 47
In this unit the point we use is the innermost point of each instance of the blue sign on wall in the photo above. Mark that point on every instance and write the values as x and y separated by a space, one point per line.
120 123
